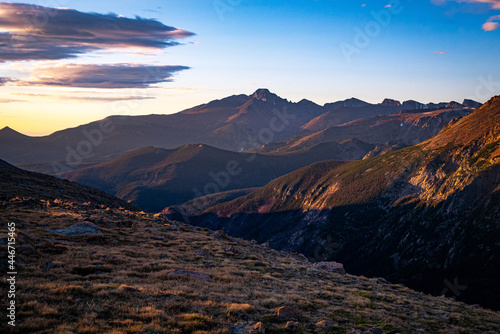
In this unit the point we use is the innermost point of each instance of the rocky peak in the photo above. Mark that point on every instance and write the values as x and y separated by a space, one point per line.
264 94
391 103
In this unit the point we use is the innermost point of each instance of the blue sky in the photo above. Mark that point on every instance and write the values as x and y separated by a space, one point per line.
423 50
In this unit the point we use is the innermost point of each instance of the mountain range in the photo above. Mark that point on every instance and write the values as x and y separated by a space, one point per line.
424 215
236 123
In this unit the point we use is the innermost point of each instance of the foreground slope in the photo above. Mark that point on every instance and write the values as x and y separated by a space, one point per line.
140 273
25 186
424 215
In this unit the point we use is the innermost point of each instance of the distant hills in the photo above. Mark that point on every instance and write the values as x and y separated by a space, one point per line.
154 178
423 215
236 123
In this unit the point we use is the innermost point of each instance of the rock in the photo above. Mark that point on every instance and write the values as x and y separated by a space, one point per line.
82 228
333 267
203 254
192 274
292 325
265 244
325 324
217 234
230 250
248 328
376 331
287 313
259 328
49 265
163 256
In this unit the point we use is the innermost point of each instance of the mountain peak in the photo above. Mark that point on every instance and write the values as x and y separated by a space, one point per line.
263 94
391 103
9 132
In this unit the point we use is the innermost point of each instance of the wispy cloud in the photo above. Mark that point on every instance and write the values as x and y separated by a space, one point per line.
10 101
441 52
32 32
102 76
495 4
489 25
96 98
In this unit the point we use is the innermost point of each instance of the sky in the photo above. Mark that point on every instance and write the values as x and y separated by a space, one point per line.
64 63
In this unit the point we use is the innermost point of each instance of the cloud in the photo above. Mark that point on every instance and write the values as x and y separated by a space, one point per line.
490 26
30 32
5 80
10 101
102 76
86 98
441 52
494 4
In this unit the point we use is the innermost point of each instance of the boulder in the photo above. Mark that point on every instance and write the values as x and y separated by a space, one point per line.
333 267
325 324
192 274
292 325
248 328
82 228
287 313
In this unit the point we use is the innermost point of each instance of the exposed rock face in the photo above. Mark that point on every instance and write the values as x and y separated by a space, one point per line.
82 228
391 103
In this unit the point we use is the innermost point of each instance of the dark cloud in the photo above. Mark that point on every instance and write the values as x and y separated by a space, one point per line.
44 33
103 76
4 80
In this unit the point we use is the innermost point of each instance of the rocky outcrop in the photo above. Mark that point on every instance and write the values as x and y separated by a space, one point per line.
82 228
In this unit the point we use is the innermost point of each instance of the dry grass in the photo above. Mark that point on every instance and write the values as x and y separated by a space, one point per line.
119 282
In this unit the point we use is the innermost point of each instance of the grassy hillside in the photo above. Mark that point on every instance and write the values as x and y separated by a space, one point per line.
145 274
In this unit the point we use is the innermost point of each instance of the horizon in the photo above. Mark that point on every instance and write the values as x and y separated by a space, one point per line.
43 134
127 58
